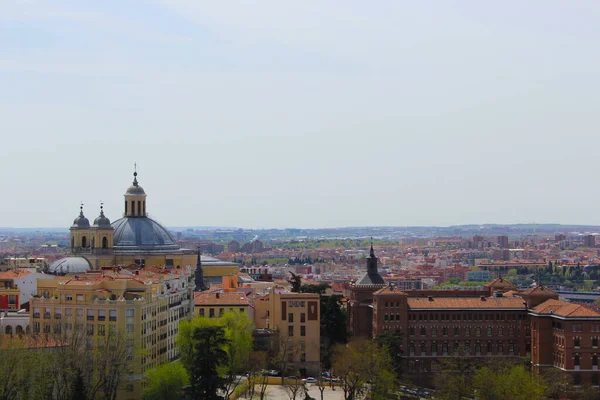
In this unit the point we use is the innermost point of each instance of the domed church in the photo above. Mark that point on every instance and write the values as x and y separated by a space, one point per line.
133 239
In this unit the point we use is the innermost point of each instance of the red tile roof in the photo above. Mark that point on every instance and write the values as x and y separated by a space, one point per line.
564 309
465 303
227 299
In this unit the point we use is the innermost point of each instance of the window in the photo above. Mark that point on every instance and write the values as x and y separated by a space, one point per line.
467 331
434 331
489 331
445 331
69 297
577 328
433 348
90 329
423 349
456 331
500 331
477 331
511 348
101 330
129 312
291 330
303 357
79 297
576 360
594 360
302 330
594 342
241 310
411 331
423 331
129 328
90 315
489 347
211 313
201 312
478 348
577 341
291 318
112 315
68 312
221 312
411 349
101 315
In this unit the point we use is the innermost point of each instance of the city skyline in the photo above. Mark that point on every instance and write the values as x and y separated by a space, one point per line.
278 115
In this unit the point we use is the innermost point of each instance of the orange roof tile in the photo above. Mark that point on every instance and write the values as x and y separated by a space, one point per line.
538 291
500 283
206 299
465 303
564 309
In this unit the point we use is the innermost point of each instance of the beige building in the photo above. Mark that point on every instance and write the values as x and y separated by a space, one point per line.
296 316
145 306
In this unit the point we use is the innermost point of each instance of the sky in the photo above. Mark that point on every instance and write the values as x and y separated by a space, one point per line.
274 114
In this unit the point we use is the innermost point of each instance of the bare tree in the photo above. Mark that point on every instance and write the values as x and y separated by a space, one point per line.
294 387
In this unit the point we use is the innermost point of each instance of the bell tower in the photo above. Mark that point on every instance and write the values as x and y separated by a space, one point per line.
135 198
81 233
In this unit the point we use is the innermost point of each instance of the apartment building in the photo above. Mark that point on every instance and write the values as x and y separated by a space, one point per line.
214 304
296 317
144 305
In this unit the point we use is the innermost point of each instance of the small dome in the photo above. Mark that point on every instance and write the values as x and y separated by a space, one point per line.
81 221
135 189
69 265
102 221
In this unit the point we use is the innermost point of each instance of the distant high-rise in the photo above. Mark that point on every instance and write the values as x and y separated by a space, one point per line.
589 241
503 242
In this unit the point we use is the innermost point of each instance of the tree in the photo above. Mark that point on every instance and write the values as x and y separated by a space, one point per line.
294 387
296 282
333 326
393 343
209 357
257 375
454 380
237 327
364 368
166 382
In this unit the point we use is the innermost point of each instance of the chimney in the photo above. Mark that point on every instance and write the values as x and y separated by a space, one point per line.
217 294
482 298
137 272
429 298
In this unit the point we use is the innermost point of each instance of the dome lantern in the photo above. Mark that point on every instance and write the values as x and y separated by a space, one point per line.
135 198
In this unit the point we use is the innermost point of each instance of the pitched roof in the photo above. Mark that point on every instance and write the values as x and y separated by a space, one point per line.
389 290
370 279
465 303
538 291
564 309
500 283
225 298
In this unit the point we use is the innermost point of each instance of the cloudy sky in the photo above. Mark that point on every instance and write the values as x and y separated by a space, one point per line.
263 114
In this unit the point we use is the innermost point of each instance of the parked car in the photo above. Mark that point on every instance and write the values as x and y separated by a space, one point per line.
272 372
310 379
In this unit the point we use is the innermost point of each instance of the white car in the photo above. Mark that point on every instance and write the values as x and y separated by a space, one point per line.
309 380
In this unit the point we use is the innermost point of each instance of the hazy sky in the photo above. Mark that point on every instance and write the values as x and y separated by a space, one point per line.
264 114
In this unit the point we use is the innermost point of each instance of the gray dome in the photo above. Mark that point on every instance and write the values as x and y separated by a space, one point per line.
141 233
135 189
69 265
81 221
102 221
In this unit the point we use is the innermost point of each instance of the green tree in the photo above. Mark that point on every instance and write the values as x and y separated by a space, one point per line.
453 380
296 282
166 382
333 326
209 357
393 343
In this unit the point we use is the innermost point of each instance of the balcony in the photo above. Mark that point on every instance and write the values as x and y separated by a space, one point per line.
46 315
101 318
112 318
57 316
90 317
36 315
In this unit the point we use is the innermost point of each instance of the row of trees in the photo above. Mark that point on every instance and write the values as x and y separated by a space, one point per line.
61 367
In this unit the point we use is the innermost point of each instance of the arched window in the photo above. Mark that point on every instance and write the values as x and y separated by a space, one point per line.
8 330
104 242
139 207
72 242
489 348
594 360
93 242
144 205
132 207
576 360
19 330
83 241
125 207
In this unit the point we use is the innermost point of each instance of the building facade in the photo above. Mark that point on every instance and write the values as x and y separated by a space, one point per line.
296 319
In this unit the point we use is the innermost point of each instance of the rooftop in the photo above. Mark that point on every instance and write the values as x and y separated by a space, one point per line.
465 303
